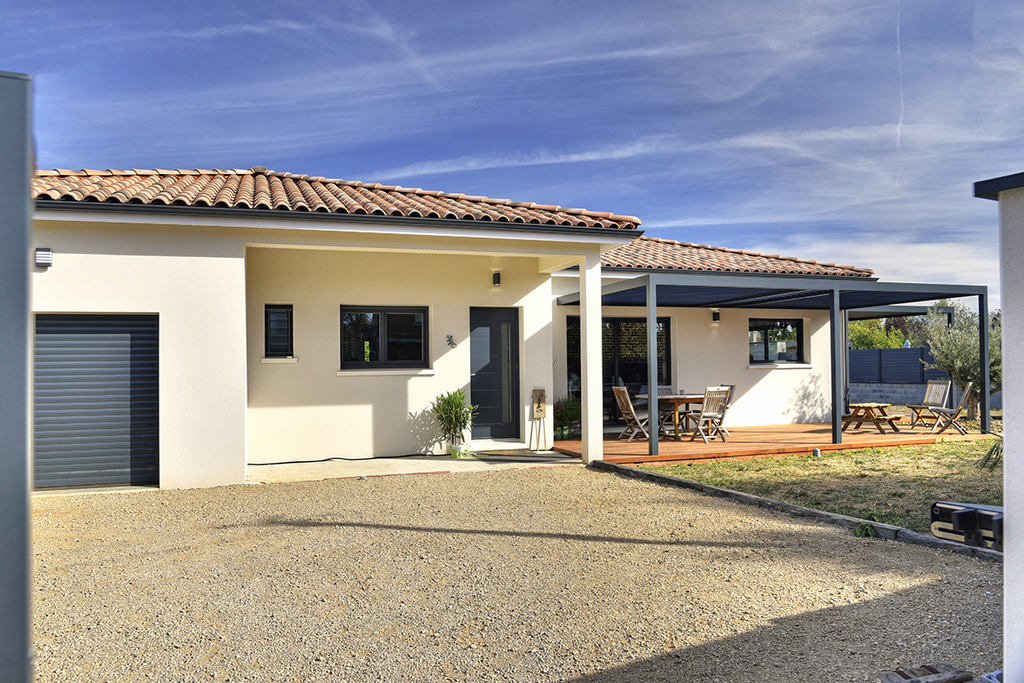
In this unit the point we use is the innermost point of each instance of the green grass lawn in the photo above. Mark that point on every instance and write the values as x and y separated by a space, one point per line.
888 485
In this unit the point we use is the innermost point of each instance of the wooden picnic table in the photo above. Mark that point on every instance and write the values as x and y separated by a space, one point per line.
873 413
677 400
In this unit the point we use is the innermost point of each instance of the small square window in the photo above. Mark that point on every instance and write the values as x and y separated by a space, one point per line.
277 330
383 337
776 341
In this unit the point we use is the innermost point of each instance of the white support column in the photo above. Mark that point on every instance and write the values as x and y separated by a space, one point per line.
1011 229
15 166
590 358
653 428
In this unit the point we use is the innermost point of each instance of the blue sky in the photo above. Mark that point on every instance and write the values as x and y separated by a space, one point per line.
835 130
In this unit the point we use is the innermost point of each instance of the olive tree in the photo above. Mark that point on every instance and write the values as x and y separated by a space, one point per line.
955 349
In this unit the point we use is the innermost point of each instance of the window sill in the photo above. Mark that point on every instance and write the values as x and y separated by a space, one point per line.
290 359
388 372
779 366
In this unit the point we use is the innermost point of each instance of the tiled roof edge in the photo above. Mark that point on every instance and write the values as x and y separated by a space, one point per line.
261 170
864 271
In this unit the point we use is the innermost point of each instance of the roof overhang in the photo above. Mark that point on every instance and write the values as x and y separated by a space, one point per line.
990 189
262 218
743 290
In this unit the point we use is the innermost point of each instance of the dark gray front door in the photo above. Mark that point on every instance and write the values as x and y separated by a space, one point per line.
97 407
494 367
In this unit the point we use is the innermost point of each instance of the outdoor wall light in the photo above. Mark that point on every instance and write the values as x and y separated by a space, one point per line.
715 315
44 257
497 278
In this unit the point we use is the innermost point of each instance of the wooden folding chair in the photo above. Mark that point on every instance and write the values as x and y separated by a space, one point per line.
692 416
712 413
636 423
949 417
935 396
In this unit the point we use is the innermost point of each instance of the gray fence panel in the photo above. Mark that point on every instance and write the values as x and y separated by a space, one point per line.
892 366
902 366
933 374
865 366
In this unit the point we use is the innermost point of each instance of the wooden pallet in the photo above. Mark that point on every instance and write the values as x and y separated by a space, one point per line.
935 673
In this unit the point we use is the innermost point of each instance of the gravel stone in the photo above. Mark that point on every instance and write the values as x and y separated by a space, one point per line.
557 574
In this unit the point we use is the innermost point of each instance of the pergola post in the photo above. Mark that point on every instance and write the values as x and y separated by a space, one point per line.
15 312
986 386
652 365
590 358
836 330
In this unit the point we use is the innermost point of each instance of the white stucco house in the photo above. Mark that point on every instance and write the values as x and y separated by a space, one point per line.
189 323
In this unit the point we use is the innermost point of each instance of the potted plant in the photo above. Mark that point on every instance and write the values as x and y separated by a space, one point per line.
568 412
455 416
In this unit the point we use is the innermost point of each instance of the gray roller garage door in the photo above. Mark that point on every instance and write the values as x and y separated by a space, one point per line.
96 402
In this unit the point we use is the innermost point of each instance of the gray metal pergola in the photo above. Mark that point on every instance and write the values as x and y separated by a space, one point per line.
838 295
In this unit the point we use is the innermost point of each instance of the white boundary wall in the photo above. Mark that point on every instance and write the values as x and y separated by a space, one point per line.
1011 231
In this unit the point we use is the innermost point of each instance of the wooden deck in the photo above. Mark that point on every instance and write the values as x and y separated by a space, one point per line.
760 442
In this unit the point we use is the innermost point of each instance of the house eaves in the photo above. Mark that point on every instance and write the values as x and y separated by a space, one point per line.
261 218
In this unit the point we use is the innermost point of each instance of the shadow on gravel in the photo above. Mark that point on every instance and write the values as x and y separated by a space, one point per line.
498 533
848 642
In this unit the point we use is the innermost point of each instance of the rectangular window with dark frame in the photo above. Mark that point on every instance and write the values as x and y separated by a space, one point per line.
384 337
776 341
277 330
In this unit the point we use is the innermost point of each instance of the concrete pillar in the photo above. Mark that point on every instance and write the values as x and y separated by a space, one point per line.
1011 231
590 358
15 469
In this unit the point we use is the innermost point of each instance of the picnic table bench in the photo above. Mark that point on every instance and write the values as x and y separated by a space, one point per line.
873 413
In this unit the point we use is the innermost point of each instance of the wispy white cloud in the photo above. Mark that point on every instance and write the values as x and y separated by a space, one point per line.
212 32
94 34
656 145
389 32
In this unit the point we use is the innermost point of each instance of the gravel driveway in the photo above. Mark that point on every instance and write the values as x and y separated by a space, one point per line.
560 574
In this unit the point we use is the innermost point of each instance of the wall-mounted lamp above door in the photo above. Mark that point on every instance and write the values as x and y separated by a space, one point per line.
496 280
716 316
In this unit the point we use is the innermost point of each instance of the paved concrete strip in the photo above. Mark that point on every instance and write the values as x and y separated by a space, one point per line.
413 464
886 531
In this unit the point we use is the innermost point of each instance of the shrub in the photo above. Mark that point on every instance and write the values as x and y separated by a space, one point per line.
453 415
567 411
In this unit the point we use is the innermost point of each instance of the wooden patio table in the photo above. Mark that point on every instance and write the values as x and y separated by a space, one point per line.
873 413
677 400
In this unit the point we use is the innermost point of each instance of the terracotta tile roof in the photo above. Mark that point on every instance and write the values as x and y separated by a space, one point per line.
651 252
258 188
